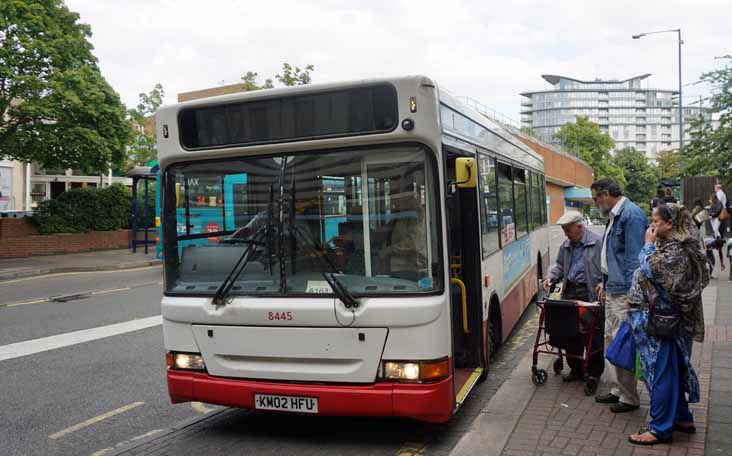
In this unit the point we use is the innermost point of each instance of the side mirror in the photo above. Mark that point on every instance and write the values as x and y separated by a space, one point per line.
466 173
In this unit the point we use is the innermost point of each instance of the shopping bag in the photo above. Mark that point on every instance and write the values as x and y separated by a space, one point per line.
638 368
621 351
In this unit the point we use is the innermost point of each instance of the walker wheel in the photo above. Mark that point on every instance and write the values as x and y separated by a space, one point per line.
558 366
591 386
538 377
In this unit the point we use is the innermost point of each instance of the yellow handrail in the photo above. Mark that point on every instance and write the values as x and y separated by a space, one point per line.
464 302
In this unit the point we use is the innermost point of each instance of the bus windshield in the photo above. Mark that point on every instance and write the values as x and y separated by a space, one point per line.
368 216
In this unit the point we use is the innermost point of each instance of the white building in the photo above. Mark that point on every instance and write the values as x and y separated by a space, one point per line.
22 186
634 116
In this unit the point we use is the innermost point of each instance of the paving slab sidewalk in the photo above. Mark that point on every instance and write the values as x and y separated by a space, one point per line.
103 260
558 419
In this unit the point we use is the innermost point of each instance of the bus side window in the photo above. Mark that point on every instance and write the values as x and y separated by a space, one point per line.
488 204
520 193
505 201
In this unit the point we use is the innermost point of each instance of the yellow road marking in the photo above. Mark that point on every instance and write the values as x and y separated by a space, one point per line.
412 449
112 290
201 408
61 274
90 293
95 420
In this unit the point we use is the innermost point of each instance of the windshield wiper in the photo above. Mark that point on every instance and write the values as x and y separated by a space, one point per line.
222 293
340 290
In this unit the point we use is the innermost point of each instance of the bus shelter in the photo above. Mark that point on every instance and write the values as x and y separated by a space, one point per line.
140 212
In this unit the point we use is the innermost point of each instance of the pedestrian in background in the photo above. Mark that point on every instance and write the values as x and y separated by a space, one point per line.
578 267
724 216
668 196
715 210
720 194
621 243
658 199
669 282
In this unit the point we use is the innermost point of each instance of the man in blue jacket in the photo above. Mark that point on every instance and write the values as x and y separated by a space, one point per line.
621 243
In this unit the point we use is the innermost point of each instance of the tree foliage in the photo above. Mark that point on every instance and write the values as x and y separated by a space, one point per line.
640 175
592 145
56 108
291 76
142 149
710 149
250 82
668 164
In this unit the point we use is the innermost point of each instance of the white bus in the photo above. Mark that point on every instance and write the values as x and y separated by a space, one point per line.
331 249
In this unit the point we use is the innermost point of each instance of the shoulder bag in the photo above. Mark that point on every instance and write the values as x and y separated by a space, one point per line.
664 316
723 215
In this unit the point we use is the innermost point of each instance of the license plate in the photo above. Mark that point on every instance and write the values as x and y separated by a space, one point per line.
297 404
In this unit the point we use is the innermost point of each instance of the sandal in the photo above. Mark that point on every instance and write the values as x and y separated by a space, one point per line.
643 431
685 429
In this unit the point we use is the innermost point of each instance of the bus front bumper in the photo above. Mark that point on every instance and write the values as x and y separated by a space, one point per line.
432 402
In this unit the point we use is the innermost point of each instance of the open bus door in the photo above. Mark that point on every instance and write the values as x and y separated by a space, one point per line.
469 359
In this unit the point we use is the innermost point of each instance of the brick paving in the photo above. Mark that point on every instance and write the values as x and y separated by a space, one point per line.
560 420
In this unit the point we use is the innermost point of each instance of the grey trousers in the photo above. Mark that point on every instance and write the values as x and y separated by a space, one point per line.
622 382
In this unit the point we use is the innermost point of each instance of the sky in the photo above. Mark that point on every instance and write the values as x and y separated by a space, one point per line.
486 49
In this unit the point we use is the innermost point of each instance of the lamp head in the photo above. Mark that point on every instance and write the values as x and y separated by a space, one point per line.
636 37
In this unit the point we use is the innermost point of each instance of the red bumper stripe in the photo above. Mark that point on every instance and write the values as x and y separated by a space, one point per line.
431 402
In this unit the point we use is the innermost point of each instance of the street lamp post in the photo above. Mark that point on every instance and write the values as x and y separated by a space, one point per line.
681 105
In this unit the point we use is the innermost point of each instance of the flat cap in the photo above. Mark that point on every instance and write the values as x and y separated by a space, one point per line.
570 217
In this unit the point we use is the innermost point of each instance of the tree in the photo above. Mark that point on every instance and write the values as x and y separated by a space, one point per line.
585 139
142 149
291 76
639 174
668 164
56 108
250 82
710 149
294 76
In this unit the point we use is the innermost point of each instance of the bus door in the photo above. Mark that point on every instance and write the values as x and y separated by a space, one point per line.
465 285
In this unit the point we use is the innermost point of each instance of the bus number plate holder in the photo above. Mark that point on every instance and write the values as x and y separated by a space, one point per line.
297 404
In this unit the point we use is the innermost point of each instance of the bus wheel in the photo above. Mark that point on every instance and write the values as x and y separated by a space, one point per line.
494 329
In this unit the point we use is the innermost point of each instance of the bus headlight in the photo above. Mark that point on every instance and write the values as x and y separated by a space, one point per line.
185 361
415 371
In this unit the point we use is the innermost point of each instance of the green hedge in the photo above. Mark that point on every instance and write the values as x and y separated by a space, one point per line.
89 209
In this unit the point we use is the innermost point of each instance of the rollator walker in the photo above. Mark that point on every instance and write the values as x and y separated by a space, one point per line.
561 320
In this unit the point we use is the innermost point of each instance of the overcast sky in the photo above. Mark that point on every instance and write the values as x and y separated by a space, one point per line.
486 49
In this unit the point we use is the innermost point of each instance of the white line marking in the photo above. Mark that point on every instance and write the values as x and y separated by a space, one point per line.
95 420
30 347
126 442
23 303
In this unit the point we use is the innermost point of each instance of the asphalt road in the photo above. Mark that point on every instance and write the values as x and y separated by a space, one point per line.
98 397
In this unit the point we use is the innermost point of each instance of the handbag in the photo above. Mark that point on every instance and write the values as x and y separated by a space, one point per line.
621 351
724 215
664 316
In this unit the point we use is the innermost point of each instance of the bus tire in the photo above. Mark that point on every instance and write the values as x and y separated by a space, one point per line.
494 328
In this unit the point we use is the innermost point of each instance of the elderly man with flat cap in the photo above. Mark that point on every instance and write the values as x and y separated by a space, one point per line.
578 268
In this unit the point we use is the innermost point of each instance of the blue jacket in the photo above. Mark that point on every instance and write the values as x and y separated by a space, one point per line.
624 243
